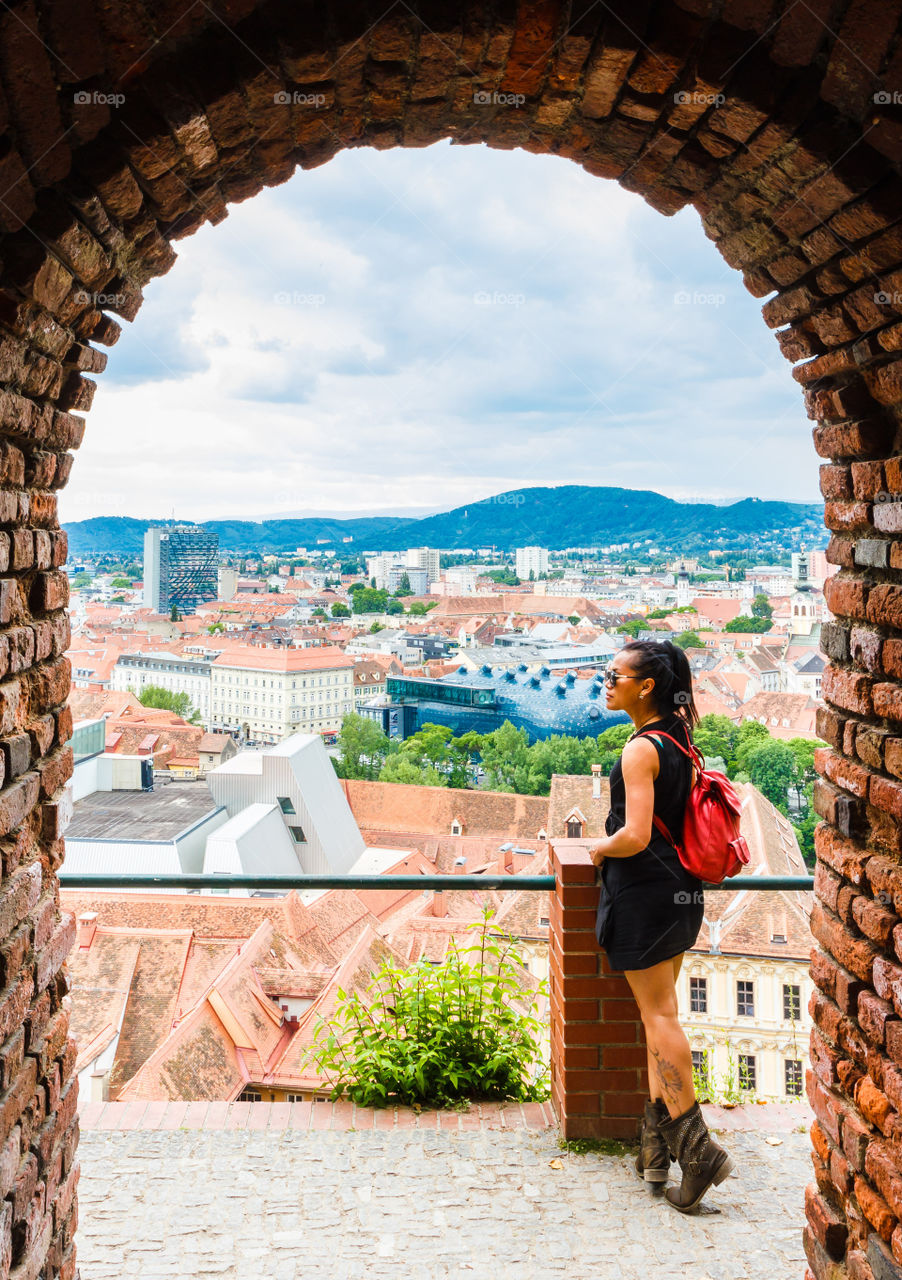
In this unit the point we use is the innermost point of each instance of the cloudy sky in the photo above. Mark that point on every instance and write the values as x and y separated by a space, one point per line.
422 328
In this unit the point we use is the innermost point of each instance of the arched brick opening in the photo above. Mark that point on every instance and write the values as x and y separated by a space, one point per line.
127 126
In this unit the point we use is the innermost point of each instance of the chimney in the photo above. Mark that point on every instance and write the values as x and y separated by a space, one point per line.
508 851
439 904
87 927
596 781
460 866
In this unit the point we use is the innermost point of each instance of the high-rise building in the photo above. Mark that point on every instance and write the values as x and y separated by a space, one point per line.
417 578
531 560
425 558
180 568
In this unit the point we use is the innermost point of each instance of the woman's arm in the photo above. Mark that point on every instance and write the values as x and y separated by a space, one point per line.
640 765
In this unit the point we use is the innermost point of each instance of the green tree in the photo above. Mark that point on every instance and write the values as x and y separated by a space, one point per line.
369 600
376 627
318 612
804 828
340 610
394 607
505 759
215 628
771 768
404 587
689 640
751 734
82 579
363 747
803 749
154 695
401 768
174 614
761 607
744 625
121 582
573 620
633 627
418 609
717 736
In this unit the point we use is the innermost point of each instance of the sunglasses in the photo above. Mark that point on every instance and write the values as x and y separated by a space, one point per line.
611 677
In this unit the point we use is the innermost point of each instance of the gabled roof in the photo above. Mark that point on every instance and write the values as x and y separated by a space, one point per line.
571 792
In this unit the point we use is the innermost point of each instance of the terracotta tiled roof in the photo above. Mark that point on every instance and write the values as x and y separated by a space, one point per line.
798 710
255 658
398 808
86 705
570 792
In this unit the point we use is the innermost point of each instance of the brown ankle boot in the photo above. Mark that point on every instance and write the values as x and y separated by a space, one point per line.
653 1160
703 1163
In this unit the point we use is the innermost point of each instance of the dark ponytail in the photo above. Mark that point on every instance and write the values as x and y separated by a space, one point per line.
666 664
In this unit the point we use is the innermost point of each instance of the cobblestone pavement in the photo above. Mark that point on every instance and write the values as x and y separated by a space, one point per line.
274 1204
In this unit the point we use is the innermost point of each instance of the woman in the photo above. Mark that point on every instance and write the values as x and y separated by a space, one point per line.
651 907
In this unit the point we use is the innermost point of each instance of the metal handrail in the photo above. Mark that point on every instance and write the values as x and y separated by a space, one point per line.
439 883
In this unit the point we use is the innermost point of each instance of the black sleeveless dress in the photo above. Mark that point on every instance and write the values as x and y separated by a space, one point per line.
651 907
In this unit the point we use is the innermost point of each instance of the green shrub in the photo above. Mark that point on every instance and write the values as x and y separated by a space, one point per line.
436 1035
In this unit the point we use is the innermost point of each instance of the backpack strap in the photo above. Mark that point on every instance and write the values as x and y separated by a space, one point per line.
691 752
663 830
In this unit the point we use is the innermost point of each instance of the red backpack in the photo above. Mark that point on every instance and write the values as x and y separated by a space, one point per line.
712 847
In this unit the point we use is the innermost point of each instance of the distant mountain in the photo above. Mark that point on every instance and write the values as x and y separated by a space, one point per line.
565 516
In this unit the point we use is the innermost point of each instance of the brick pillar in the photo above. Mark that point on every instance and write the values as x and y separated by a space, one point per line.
599 1076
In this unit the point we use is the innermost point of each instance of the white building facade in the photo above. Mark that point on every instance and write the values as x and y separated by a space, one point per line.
178 673
267 694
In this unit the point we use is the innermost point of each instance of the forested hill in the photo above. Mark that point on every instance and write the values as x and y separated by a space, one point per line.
565 516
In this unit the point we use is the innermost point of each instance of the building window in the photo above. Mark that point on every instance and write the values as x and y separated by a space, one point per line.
574 829
294 1097
747 1071
793 1075
700 1065
698 995
285 804
298 834
792 1002
745 998
250 1095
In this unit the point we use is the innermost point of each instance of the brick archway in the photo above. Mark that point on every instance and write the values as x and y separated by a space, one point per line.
127 126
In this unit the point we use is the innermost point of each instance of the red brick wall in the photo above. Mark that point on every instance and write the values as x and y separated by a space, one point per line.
128 126
599 1073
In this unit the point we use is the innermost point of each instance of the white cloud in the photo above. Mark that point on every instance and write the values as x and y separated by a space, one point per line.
429 327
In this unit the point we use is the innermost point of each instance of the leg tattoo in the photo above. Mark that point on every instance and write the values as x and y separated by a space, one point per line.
669 1076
